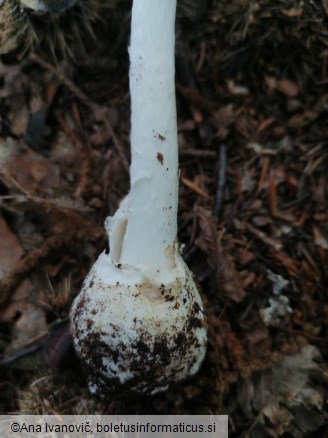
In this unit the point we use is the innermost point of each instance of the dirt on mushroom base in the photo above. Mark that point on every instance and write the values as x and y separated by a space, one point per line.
267 109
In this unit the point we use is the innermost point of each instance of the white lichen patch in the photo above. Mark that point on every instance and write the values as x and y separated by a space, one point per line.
279 306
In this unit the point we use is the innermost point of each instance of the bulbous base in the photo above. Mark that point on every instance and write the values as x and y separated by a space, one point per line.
138 334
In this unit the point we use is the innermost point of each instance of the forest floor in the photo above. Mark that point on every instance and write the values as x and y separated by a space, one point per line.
252 98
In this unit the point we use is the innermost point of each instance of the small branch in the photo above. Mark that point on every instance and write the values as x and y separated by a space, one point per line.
25 351
299 333
195 98
276 246
195 188
100 112
83 155
34 258
221 180
199 153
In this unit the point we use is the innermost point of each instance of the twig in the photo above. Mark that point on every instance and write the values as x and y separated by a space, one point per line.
195 98
272 197
84 157
221 180
33 259
27 263
203 153
100 112
64 79
32 347
299 332
264 173
276 246
24 352
195 188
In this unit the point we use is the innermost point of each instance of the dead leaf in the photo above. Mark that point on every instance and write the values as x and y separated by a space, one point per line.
219 256
320 239
292 12
31 172
38 131
14 81
19 120
225 116
279 394
271 82
10 254
207 240
245 257
30 325
237 90
288 87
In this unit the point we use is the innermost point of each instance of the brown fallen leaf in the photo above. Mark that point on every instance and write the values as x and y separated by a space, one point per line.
11 253
292 12
280 393
288 87
219 256
31 325
30 171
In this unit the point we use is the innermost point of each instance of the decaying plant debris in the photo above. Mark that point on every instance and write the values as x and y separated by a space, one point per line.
252 104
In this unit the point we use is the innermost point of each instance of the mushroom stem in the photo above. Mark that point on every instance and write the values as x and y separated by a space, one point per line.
148 217
138 322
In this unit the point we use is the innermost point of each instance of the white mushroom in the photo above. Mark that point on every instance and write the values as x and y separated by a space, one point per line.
138 323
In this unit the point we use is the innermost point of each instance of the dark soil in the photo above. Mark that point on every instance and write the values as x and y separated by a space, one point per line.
252 97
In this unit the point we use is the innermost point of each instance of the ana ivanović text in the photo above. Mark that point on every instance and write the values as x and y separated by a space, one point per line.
86 427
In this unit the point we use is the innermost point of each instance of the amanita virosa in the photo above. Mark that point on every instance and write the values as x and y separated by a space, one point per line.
138 323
